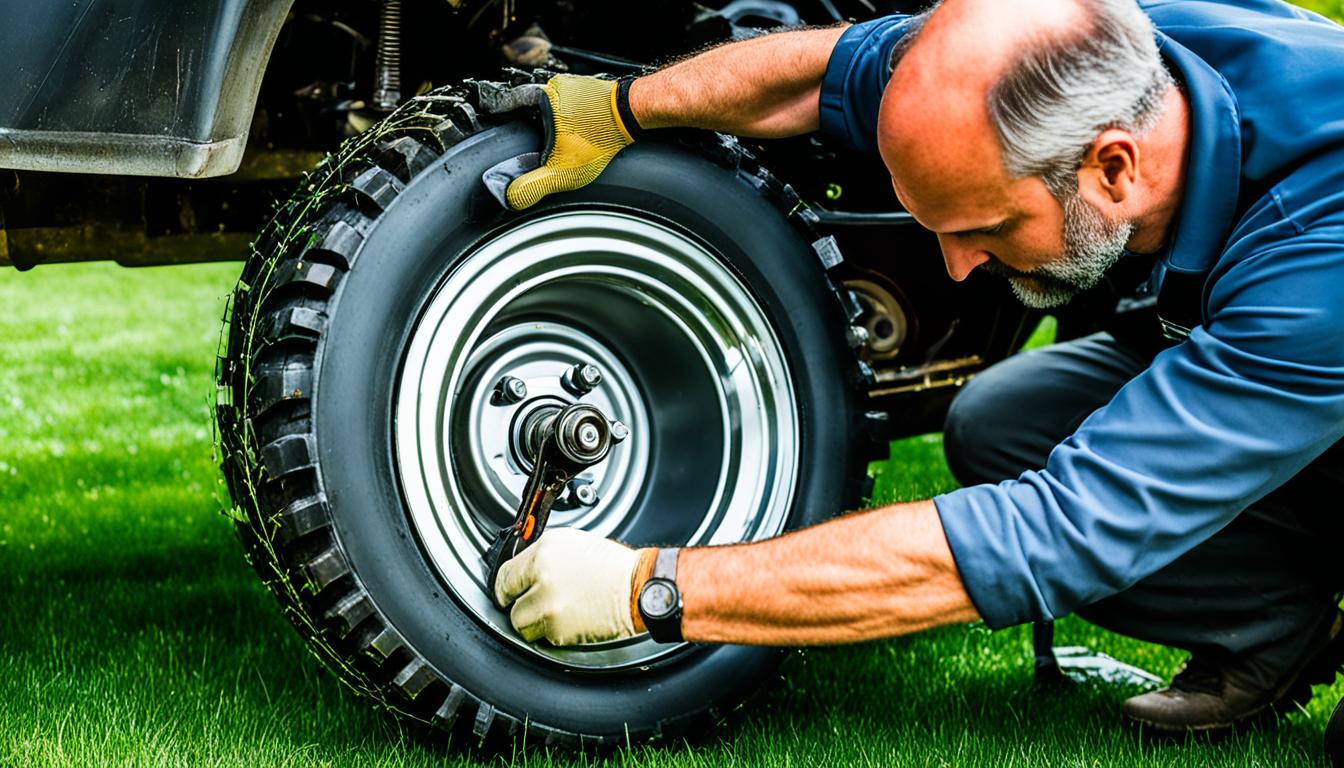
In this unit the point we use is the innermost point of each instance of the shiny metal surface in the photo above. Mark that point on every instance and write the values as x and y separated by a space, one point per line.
688 361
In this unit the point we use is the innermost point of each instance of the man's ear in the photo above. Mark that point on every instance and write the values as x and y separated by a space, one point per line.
1110 169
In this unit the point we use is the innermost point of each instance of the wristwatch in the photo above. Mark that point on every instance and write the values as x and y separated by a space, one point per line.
660 600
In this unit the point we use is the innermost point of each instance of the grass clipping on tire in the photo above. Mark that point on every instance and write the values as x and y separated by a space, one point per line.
289 267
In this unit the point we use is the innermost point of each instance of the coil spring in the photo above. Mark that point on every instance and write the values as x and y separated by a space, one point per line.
387 93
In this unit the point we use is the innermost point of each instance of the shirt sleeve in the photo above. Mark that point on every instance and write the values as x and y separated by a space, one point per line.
1213 425
857 73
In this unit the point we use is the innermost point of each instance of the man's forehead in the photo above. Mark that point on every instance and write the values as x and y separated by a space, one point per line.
955 136
948 205
945 166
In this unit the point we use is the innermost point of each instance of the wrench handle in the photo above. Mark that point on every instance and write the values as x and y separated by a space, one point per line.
533 513
561 454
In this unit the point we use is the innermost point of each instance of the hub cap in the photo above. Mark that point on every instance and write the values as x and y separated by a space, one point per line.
684 358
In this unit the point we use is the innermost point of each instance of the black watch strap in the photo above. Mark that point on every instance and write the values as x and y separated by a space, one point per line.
623 111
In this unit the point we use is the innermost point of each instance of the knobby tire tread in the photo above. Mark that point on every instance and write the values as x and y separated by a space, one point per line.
267 446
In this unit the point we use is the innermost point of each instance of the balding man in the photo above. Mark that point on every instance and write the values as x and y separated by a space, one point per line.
1187 496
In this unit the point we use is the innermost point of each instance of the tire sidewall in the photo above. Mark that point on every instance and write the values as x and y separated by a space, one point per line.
408 252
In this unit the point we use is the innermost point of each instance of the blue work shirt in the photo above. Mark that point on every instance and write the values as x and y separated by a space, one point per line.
1254 394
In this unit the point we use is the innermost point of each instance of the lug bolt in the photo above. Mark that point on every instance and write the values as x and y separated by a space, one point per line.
581 378
508 390
619 431
583 494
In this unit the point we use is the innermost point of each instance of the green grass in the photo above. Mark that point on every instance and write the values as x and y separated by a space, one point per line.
1332 8
132 632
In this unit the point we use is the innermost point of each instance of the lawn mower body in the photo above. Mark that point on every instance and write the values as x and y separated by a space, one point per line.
133 87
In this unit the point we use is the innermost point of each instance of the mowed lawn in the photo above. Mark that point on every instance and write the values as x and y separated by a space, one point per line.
132 632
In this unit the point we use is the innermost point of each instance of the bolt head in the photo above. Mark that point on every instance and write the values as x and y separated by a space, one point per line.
581 378
508 391
856 335
619 431
517 388
585 495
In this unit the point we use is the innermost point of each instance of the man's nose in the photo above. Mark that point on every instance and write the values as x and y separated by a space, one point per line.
960 259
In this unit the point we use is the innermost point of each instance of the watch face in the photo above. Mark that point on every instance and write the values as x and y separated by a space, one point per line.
658 598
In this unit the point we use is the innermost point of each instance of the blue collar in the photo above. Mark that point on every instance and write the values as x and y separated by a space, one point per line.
1213 172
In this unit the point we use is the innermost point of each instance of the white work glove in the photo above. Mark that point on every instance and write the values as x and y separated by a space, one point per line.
571 587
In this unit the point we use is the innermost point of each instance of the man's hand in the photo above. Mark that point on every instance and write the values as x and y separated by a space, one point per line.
571 587
584 132
764 87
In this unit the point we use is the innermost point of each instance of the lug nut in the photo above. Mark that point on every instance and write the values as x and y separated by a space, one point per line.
508 390
588 376
619 432
581 378
583 493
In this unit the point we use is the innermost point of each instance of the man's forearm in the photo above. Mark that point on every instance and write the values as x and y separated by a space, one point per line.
766 87
874 574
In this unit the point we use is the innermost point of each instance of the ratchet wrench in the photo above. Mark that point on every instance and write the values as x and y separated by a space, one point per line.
562 442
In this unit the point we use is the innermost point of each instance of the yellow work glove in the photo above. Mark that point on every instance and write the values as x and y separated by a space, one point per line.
584 131
572 587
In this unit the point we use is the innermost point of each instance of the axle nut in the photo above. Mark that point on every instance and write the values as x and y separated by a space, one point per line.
589 437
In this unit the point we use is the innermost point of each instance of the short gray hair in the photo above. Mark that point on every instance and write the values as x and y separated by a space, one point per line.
910 30
1063 90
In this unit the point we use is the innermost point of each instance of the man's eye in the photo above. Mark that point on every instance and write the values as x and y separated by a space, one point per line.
997 229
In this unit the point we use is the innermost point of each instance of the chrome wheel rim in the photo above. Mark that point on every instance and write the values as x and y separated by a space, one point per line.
690 364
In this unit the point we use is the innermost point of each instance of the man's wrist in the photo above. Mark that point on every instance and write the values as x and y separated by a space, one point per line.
660 602
643 570
624 114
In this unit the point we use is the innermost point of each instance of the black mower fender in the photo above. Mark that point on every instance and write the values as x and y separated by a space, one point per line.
137 87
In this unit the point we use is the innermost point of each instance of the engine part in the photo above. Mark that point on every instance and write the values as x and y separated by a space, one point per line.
883 318
387 89
509 390
581 378
775 12
531 50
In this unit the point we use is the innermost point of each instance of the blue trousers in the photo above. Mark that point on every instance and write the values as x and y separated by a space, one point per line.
1260 593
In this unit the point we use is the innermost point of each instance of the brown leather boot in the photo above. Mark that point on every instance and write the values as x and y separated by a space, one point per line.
1207 697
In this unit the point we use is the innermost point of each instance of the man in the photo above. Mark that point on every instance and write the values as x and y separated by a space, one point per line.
1187 496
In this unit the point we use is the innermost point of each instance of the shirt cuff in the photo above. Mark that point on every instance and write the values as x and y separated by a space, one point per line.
855 77
1000 586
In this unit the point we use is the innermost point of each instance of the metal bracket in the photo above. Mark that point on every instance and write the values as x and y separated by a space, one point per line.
1080 663
828 250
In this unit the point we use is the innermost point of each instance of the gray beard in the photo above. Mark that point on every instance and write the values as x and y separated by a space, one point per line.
1092 244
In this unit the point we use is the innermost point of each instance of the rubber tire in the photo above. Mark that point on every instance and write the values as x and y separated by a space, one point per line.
1334 736
328 529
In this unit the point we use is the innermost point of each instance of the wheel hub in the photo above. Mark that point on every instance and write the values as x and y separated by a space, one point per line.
637 320
540 356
